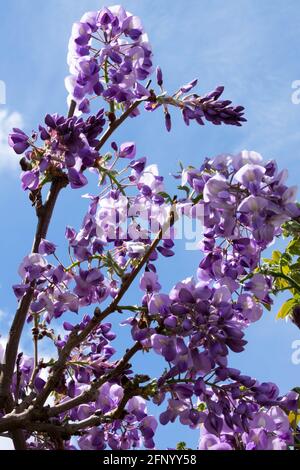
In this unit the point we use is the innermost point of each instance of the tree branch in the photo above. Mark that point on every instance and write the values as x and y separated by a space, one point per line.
27 419
6 402
90 394
111 129
46 211
44 217
33 423
292 282
76 339
12 421
31 419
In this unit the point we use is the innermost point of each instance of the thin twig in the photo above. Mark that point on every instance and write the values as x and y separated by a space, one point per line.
76 339
117 123
90 394
45 214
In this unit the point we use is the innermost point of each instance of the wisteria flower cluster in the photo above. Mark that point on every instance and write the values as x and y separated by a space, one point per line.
193 327
69 144
198 108
109 56
89 396
112 71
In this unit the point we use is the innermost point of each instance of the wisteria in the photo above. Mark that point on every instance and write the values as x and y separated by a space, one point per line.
69 144
89 394
198 108
109 56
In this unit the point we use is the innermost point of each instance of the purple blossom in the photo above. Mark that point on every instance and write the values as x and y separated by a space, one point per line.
127 150
19 141
149 282
258 286
32 267
109 397
92 440
30 180
77 179
250 176
126 47
249 308
46 247
212 442
159 76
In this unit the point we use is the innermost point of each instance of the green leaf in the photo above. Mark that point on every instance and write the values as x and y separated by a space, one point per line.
107 157
295 266
181 446
276 255
181 165
294 418
197 199
112 264
285 259
186 189
275 260
166 196
286 308
292 227
281 283
296 277
294 247
267 260
285 269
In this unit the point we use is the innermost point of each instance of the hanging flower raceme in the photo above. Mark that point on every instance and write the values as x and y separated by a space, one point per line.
242 193
69 146
108 245
193 328
201 321
194 107
109 56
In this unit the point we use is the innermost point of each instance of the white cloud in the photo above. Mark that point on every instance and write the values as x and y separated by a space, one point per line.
3 342
9 161
6 444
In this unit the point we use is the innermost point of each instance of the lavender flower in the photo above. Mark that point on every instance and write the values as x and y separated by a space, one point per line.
46 247
19 141
115 70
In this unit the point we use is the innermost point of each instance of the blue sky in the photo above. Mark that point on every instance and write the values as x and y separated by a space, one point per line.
249 46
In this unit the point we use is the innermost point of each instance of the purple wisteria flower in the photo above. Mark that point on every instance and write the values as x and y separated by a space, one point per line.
19 141
46 247
69 144
109 55
193 328
127 150
197 108
149 282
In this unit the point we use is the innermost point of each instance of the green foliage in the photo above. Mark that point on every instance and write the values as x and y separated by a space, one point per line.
284 267
286 308
181 446
201 406
166 196
184 188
